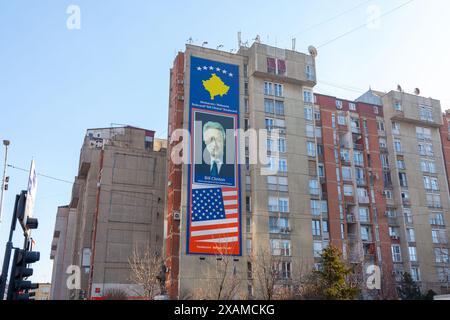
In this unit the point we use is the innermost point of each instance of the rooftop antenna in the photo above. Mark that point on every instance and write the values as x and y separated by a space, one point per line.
190 40
239 39
417 91
257 39
204 43
399 88
293 44
245 44
219 46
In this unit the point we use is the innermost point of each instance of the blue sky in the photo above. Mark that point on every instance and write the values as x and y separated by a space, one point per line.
55 83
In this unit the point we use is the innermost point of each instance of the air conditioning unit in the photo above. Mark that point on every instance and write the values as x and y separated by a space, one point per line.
180 81
176 215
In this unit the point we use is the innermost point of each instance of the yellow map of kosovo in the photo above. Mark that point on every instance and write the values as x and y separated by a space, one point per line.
215 86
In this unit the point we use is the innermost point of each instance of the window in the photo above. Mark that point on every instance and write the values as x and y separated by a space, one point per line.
283 204
355 125
311 149
270 124
271 65
384 160
433 200
396 253
415 274
408 216
321 170
426 113
398 146
397 106
347 173
314 187
395 128
388 194
364 214
428 166
317 115
318 132
345 155
268 88
341 119
443 274
281 67
423 133
403 180
348 190
278 225
278 90
280 247
278 204
279 108
315 207
438 236
307 96
317 248
308 113
375 110
441 255
401 164
363 196
249 246
338 104
430 183
282 145
437 219
269 106
285 270
380 125
365 234
382 142
282 165
358 158
412 253
352 106
411 235
316 230
310 131
393 232
309 72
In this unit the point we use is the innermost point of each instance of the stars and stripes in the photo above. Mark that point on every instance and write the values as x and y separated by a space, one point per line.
215 220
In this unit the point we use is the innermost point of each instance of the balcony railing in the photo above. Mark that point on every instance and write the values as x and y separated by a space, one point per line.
363 199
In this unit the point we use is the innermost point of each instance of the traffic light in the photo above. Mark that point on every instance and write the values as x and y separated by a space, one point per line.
18 286
27 223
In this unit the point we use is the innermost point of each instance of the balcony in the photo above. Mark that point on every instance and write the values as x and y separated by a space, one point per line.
363 199
406 202
351 218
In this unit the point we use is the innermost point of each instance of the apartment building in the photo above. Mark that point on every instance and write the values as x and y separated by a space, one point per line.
415 186
346 170
116 206
274 210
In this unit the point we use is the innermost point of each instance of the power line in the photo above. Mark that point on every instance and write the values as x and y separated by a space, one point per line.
331 18
364 24
41 174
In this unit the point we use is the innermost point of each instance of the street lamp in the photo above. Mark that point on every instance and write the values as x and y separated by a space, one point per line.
6 143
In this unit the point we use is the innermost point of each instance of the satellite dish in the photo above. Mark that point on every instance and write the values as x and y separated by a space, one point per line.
417 91
312 51
399 88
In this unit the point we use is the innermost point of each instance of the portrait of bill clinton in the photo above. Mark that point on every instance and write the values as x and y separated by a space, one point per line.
214 166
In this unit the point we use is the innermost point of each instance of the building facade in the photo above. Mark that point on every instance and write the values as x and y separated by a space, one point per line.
116 207
367 176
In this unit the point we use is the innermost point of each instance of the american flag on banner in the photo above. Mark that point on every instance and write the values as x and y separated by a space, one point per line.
215 221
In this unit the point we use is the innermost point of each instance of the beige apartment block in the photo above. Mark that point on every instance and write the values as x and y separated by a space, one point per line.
117 205
264 201
416 187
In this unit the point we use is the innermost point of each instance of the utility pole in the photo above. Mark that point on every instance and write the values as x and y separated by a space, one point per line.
9 247
6 143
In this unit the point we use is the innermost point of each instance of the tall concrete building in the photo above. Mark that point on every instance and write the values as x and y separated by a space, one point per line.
368 176
274 211
117 205
416 190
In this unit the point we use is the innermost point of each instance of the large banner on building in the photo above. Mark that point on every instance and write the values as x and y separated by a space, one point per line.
214 206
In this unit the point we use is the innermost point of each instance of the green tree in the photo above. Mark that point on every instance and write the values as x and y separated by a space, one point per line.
334 277
408 289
